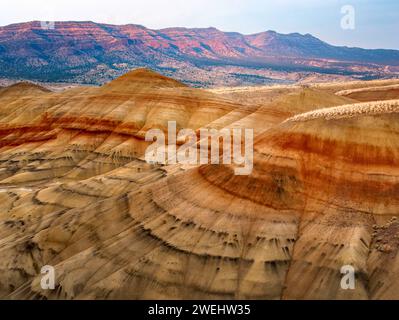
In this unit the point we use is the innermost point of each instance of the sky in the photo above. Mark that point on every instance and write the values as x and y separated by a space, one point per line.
376 22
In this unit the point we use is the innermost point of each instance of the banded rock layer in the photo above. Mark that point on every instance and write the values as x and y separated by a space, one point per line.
77 195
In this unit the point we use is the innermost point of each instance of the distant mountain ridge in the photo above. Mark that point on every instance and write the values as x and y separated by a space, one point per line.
89 52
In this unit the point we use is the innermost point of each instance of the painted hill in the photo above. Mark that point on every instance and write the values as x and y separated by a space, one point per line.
372 93
89 52
76 194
